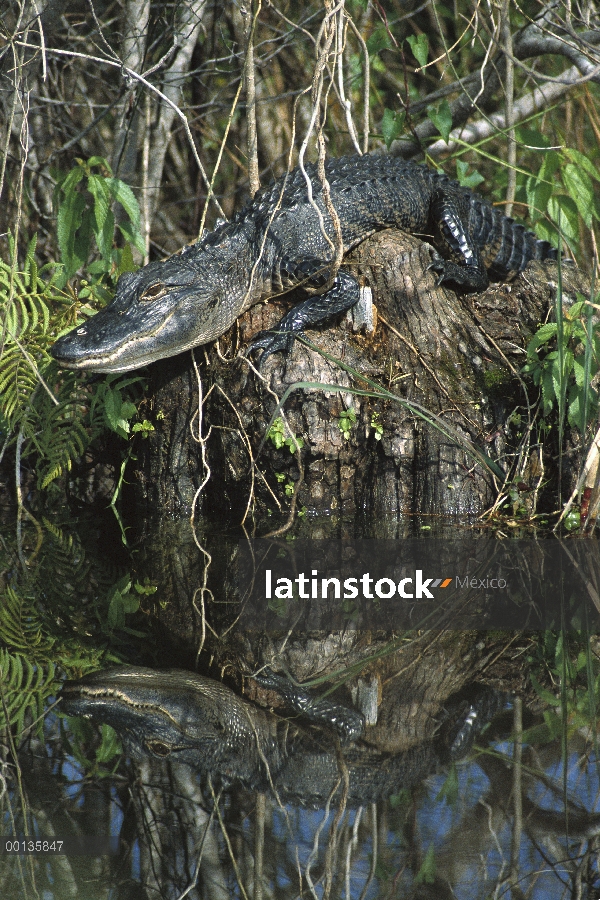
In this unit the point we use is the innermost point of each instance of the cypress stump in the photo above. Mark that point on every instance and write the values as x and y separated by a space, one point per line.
457 355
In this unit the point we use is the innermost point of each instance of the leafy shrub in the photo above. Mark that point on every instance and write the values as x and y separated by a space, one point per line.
53 413
570 373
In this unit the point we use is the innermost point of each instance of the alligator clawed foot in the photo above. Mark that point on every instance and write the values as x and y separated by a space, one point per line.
270 342
437 265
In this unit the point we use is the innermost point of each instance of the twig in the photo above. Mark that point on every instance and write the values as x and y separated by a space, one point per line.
250 25
366 84
509 90
346 105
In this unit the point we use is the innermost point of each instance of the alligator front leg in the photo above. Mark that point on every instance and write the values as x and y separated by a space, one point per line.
343 294
449 216
348 723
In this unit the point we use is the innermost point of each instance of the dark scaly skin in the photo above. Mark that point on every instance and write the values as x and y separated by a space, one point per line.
195 720
276 244
347 723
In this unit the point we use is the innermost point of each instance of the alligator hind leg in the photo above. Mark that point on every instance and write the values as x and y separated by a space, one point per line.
343 294
449 214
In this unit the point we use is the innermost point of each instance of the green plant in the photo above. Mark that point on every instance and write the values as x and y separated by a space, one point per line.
38 404
144 428
80 737
44 631
347 419
288 488
570 664
52 414
276 434
562 191
376 426
24 689
122 602
85 197
117 412
563 362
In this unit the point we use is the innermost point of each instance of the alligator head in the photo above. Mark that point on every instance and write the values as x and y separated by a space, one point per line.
163 309
176 714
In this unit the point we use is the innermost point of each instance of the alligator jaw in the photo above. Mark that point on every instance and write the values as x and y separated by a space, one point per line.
107 342
156 313
71 351
198 721
126 357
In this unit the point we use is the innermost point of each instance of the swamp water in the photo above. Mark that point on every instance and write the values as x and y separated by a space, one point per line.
89 602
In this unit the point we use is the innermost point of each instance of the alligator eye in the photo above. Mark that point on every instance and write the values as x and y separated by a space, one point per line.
158 748
153 292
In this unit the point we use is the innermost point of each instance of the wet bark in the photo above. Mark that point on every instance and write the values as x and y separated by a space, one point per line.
457 355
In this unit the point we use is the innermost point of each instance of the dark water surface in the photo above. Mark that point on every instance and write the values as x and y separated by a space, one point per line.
181 834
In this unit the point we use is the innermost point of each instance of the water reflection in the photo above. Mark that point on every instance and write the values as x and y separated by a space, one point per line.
178 839
456 833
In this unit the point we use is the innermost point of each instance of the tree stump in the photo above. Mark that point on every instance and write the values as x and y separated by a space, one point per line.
457 355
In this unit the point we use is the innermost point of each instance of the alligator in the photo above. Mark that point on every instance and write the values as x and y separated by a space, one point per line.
192 719
286 238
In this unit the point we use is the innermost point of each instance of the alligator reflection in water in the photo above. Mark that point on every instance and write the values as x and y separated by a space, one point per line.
198 721
182 828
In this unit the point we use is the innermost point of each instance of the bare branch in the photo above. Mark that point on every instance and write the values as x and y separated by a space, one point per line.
250 18
509 91
541 98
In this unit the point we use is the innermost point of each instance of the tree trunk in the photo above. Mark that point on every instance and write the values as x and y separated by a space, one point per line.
459 356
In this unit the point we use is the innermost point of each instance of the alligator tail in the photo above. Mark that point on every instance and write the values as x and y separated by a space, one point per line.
506 246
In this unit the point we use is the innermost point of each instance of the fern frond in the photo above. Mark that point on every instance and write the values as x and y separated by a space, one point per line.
21 626
24 688
17 383
63 438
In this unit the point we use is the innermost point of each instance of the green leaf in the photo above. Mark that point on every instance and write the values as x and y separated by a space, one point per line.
449 789
104 223
579 372
82 244
126 263
563 211
123 194
131 603
128 409
426 874
392 124
116 611
133 236
583 161
378 40
464 179
574 412
67 185
110 746
99 161
548 390
549 165
544 694
579 186
546 232
113 407
532 137
441 117
544 334
538 194
68 221
419 44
